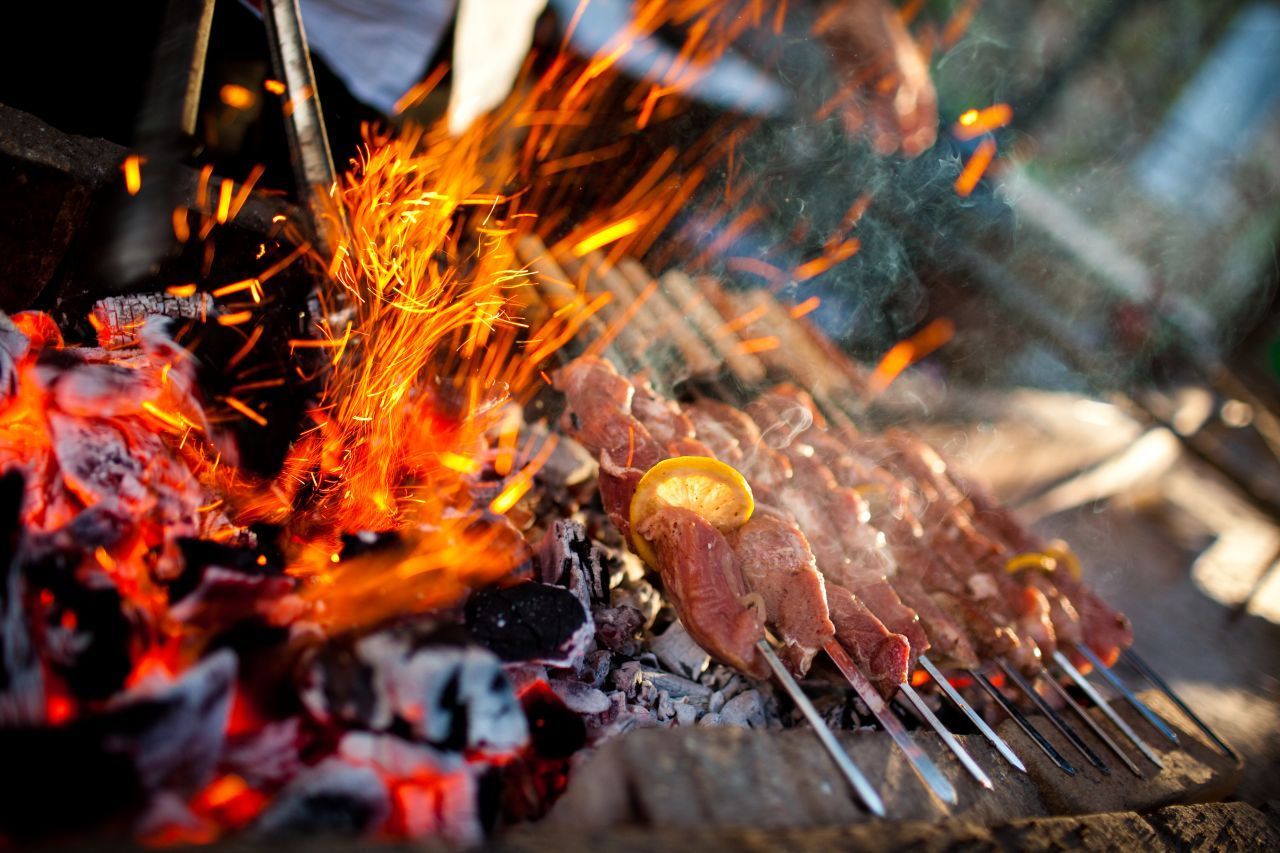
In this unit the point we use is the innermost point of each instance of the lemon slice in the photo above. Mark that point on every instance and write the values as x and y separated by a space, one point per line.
712 489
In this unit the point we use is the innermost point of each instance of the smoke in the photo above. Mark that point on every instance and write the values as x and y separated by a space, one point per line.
792 422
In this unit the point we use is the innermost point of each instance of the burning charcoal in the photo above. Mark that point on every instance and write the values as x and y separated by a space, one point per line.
191 711
21 682
98 464
152 739
451 696
579 697
679 653
102 390
556 731
332 797
533 622
13 346
225 596
618 629
269 756
569 559
435 792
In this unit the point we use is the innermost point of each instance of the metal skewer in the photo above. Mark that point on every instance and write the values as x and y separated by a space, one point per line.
1105 707
947 737
1144 669
1093 726
1140 706
960 702
1023 723
920 762
1054 717
841 758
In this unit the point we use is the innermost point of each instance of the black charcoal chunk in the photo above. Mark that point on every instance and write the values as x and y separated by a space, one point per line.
531 622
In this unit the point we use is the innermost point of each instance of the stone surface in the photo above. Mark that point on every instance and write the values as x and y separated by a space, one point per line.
710 777
1228 826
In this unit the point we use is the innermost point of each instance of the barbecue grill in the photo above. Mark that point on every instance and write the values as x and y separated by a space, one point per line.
321 514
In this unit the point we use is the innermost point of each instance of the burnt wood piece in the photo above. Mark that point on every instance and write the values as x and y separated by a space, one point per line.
331 798
55 190
532 623
569 558
415 678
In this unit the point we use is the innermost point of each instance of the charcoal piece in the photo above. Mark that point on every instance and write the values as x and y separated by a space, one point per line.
93 658
568 558
579 697
268 757
78 775
21 681
596 668
98 390
396 757
618 629
191 711
98 464
555 730
679 653
450 695
746 710
332 797
534 622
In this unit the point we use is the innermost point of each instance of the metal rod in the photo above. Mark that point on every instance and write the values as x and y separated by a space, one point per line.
855 777
947 737
967 709
1144 669
1054 717
1024 724
1105 707
920 762
1129 696
304 122
1092 724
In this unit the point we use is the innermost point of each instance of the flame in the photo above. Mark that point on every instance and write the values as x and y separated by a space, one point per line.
906 353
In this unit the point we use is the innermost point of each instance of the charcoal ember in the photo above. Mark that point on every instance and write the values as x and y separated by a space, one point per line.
90 650
618 629
556 731
100 390
98 464
679 653
13 348
450 695
268 757
333 797
225 596
534 622
21 679
191 711
569 559
157 737
436 792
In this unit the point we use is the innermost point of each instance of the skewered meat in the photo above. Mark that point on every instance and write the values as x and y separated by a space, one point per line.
698 568
778 565
701 575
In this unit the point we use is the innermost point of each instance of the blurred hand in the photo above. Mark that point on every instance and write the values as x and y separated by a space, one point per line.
892 99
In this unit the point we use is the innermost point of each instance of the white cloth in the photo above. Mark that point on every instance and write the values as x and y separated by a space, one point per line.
378 48
489 47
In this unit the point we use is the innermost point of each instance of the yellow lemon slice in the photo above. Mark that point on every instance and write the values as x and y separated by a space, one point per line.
712 489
